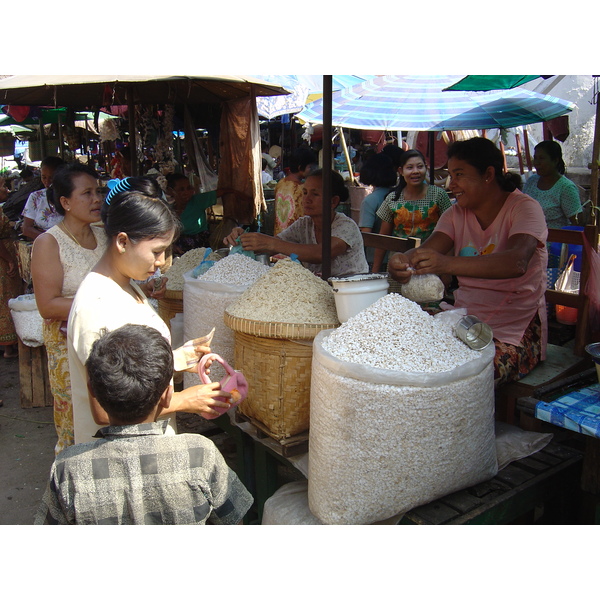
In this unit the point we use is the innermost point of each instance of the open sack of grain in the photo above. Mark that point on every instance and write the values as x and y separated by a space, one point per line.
401 413
205 300
275 321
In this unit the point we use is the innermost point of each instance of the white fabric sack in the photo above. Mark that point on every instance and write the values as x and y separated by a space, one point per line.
513 443
382 442
27 319
204 304
289 506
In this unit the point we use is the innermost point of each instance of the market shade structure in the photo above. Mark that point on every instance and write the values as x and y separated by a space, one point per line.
103 90
418 103
302 87
487 83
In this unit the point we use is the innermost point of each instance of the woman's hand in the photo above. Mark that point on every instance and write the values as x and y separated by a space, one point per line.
400 268
201 399
158 287
425 260
231 239
257 242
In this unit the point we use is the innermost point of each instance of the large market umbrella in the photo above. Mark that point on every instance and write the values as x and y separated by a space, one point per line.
417 103
487 83
302 87
103 90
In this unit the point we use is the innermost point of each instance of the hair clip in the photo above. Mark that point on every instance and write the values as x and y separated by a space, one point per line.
115 187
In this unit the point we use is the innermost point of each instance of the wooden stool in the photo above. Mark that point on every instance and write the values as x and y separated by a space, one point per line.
34 381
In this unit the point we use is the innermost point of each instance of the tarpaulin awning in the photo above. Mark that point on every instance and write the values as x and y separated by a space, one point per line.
104 90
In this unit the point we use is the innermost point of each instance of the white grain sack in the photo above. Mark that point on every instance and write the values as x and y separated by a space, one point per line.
423 288
205 300
287 293
384 440
27 320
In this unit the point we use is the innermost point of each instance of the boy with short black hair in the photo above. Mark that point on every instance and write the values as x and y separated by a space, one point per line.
135 474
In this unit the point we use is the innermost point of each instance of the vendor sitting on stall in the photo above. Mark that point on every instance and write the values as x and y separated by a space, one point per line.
134 472
493 240
304 236
191 209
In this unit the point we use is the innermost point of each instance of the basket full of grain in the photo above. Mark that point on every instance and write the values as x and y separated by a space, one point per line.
274 323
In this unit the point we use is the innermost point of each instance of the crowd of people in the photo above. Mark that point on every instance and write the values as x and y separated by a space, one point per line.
94 255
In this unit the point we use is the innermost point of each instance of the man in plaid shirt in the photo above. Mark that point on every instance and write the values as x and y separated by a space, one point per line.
135 473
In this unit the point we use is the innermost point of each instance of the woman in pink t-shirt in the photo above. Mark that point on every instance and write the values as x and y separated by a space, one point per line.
493 240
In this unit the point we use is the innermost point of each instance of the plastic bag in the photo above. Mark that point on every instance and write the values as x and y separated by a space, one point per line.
513 443
240 250
204 266
423 288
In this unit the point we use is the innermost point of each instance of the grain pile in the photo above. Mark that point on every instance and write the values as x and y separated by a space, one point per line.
182 265
235 269
287 293
395 333
385 439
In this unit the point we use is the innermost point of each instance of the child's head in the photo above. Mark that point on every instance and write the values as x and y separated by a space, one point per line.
129 371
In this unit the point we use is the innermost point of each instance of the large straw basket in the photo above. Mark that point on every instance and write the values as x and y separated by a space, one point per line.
170 305
276 359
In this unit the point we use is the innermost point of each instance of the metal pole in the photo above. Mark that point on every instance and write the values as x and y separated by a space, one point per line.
327 118
594 167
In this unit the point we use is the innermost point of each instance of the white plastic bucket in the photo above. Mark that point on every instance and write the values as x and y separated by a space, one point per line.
355 293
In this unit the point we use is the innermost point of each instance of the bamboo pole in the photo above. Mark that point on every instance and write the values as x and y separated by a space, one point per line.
519 155
527 152
346 155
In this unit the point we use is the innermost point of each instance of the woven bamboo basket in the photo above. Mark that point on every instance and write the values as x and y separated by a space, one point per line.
170 305
276 359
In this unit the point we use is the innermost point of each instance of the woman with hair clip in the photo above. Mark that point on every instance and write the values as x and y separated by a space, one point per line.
493 240
304 237
140 227
60 259
557 194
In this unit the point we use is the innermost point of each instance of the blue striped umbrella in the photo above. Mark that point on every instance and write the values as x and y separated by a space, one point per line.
418 103
300 86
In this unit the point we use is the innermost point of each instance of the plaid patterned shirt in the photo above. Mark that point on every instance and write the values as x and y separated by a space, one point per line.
135 474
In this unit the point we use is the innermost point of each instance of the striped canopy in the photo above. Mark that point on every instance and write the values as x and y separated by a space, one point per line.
418 103
301 87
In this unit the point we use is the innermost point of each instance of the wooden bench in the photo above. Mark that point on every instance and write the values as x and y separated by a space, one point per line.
560 361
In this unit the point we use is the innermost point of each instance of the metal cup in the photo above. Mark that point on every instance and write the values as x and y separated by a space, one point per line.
473 332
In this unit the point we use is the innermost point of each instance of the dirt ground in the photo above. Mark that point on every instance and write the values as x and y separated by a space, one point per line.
27 439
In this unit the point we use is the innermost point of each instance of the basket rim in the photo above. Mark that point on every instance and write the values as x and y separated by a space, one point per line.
276 329
174 294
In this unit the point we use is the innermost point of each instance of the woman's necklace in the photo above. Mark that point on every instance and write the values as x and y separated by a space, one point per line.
68 232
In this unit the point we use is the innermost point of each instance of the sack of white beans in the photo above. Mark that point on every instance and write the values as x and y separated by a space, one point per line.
385 439
204 304
27 319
